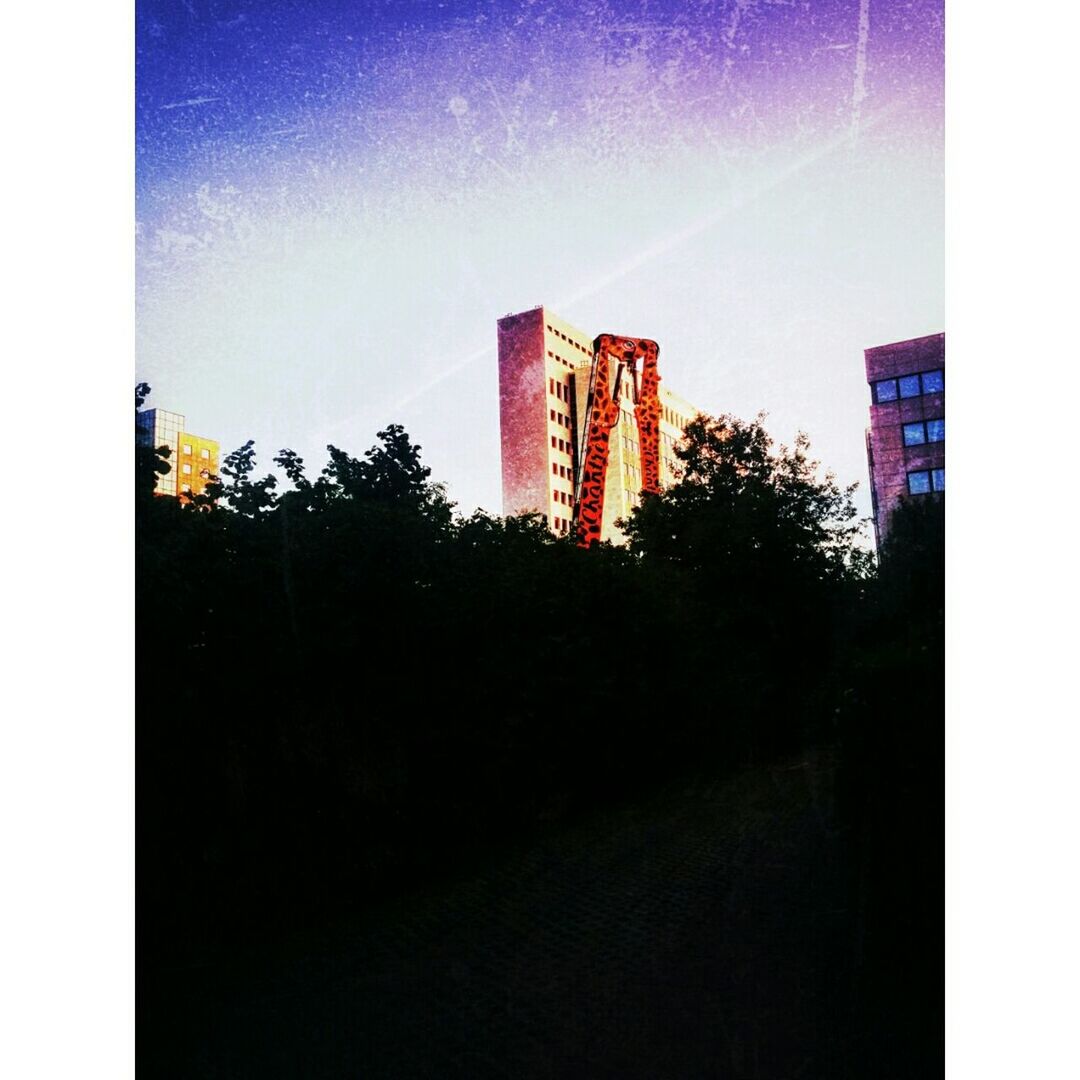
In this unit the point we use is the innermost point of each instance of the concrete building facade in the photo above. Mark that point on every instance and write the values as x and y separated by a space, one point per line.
544 368
193 459
905 443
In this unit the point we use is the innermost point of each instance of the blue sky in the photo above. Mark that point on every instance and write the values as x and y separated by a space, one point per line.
335 202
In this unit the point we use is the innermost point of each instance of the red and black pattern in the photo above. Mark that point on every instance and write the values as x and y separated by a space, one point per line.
611 352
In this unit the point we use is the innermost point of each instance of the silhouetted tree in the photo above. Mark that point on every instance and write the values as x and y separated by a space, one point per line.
743 505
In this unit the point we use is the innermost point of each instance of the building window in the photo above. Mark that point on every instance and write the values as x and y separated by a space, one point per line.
185 489
551 386
187 468
554 468
935 430
187 448
552 411
909 386
885 390
926 480
914 434
553 442
933 382
919 482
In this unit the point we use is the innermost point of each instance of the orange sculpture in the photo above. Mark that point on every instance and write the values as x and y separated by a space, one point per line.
621 353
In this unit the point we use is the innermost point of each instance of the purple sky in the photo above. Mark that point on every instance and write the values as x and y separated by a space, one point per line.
336 201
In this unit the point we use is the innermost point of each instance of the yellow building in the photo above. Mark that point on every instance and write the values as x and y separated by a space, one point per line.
193 460
544 368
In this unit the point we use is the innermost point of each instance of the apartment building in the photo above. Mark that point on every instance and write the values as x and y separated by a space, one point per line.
905 443
193 459
544 369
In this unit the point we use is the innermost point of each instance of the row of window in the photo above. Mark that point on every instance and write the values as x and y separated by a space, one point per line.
909 386
562 471
560 389
560 444
672 417
204 453
924 431
562 497
569 341
561 359
562 525
186 470
558 418
924 481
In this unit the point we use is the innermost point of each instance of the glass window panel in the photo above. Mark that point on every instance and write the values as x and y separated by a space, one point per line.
914 434
939 479
935 430
933 382
909 386
918 482
885 390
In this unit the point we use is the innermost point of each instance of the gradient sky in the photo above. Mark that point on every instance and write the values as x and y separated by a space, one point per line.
336 201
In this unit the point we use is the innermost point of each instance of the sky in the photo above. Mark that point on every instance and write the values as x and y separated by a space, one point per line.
335 202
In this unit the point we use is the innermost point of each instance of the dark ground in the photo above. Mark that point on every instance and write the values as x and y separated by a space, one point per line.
732 927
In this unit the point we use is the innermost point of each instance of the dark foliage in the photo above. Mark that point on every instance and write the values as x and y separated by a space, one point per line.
343 687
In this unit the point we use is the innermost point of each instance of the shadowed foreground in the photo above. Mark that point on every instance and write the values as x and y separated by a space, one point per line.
729 928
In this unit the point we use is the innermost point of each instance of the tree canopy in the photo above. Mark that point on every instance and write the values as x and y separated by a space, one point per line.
743 507
340 679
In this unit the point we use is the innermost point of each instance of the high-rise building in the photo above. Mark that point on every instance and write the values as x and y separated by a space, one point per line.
193 460
544 366
905 443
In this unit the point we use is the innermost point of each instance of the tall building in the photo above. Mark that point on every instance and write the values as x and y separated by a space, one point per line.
905 443
192 459
544 366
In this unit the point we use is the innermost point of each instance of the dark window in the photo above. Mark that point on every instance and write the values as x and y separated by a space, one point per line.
554 468
938 476
914 434
553 442
918 482
552 414
885 390
551 386
935 430
933 382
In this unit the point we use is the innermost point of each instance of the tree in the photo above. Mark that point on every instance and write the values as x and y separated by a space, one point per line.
744 510
244 495
391 474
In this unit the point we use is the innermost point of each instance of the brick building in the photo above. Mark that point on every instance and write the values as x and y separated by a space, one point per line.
905 443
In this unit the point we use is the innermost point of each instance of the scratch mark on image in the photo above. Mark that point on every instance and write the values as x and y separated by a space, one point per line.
858 93
190 102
